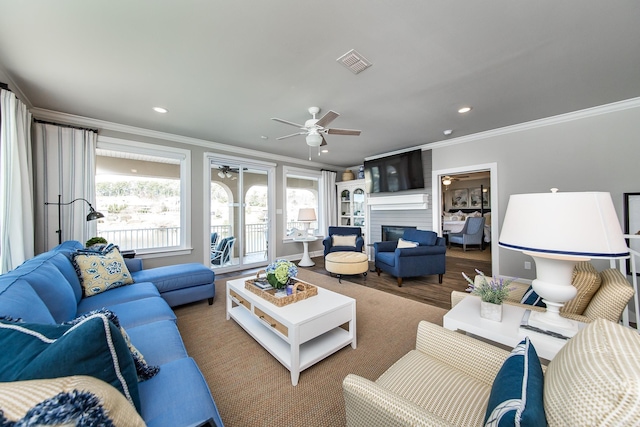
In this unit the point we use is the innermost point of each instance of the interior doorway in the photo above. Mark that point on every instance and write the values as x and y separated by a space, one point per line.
464 192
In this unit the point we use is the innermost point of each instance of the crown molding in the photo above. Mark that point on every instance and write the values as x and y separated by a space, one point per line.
64 118
548 121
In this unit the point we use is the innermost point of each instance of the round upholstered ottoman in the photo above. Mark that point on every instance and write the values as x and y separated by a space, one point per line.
345 263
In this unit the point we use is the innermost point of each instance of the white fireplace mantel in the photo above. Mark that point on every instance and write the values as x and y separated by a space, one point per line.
398 202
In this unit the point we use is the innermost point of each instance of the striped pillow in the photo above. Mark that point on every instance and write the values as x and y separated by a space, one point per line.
586 280
530 297
595 378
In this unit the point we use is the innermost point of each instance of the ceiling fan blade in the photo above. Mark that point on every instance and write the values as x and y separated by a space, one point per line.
289 136
324 141
344 132
286 122
327 118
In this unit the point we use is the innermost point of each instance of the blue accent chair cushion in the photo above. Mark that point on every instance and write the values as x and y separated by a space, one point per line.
516 397
93 347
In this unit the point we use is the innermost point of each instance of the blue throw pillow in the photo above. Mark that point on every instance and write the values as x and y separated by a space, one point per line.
516 397
93 347
532 298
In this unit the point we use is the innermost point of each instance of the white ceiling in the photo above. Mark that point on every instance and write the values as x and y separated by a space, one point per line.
224 68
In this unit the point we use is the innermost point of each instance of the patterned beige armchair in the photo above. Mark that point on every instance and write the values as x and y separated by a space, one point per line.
448 378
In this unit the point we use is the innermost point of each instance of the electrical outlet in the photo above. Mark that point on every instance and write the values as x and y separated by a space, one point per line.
527 265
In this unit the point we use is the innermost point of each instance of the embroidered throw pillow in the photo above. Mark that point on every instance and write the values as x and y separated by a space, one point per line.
339 240
406 244
516 397
101 271
93 347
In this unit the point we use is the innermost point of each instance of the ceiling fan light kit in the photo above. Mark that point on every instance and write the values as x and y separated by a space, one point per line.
315 129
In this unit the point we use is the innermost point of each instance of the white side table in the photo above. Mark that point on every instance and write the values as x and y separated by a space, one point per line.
306 260
465 316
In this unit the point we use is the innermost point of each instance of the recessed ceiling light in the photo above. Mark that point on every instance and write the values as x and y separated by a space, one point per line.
160 110
464 110
264 137
448 132
324 150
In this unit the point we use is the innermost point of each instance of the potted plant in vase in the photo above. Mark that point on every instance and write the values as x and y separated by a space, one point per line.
492 294
280 272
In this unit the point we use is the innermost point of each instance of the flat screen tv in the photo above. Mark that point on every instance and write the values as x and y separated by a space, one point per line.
399 172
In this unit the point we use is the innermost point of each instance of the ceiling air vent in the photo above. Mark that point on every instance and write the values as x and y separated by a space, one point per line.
354 61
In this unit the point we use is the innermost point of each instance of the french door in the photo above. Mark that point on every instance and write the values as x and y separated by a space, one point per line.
241 212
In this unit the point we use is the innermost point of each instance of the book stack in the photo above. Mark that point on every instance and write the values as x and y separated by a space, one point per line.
528 329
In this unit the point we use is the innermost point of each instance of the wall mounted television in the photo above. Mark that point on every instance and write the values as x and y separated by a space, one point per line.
399 172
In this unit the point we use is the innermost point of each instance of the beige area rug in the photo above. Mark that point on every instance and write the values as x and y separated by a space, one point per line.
251 388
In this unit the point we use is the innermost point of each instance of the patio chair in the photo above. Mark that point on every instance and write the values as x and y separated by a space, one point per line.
222 254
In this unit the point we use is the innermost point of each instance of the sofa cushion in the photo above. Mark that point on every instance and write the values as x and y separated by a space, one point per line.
142 311
517 391
65 401
338 240
172 277
178 396
145 338
20 301
119 295
586 280
50 285
101 271
427 382
595 378
612 297
93 347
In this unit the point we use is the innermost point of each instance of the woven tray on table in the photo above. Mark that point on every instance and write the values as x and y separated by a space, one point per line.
301 291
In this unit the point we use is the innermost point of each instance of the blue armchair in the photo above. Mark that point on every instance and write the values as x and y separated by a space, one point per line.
425 259
471 234
343 231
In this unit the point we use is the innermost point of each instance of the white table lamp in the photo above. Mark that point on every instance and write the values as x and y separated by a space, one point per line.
307 216
559 230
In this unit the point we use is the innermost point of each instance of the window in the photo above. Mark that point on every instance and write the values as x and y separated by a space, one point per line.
141 189
302 192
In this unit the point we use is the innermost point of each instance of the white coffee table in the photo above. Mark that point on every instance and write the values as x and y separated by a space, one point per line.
298 335
465 316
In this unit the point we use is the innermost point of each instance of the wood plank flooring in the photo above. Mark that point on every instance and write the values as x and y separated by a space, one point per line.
424 289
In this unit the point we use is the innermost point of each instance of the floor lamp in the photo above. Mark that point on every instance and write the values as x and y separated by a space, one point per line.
93 214
559 230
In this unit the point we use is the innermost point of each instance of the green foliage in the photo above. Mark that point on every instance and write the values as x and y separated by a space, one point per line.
95 241
493 291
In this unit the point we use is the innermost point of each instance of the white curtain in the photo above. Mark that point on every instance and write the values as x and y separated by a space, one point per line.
330 205
64 161
16 194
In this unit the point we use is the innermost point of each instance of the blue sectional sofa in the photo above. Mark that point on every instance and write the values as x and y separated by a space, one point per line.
45 292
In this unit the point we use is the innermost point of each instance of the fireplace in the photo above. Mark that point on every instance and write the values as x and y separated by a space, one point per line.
394 232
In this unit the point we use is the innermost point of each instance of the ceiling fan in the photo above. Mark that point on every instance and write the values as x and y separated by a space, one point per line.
225 171
315 129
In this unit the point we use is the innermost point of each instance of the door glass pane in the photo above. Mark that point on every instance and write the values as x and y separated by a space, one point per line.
255 216
225 202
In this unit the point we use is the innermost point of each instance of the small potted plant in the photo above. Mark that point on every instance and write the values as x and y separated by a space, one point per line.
96 241
280 272
492 294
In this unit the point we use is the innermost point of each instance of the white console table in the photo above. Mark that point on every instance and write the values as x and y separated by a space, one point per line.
465 316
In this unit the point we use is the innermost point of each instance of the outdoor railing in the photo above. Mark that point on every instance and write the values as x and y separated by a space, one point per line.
255 236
